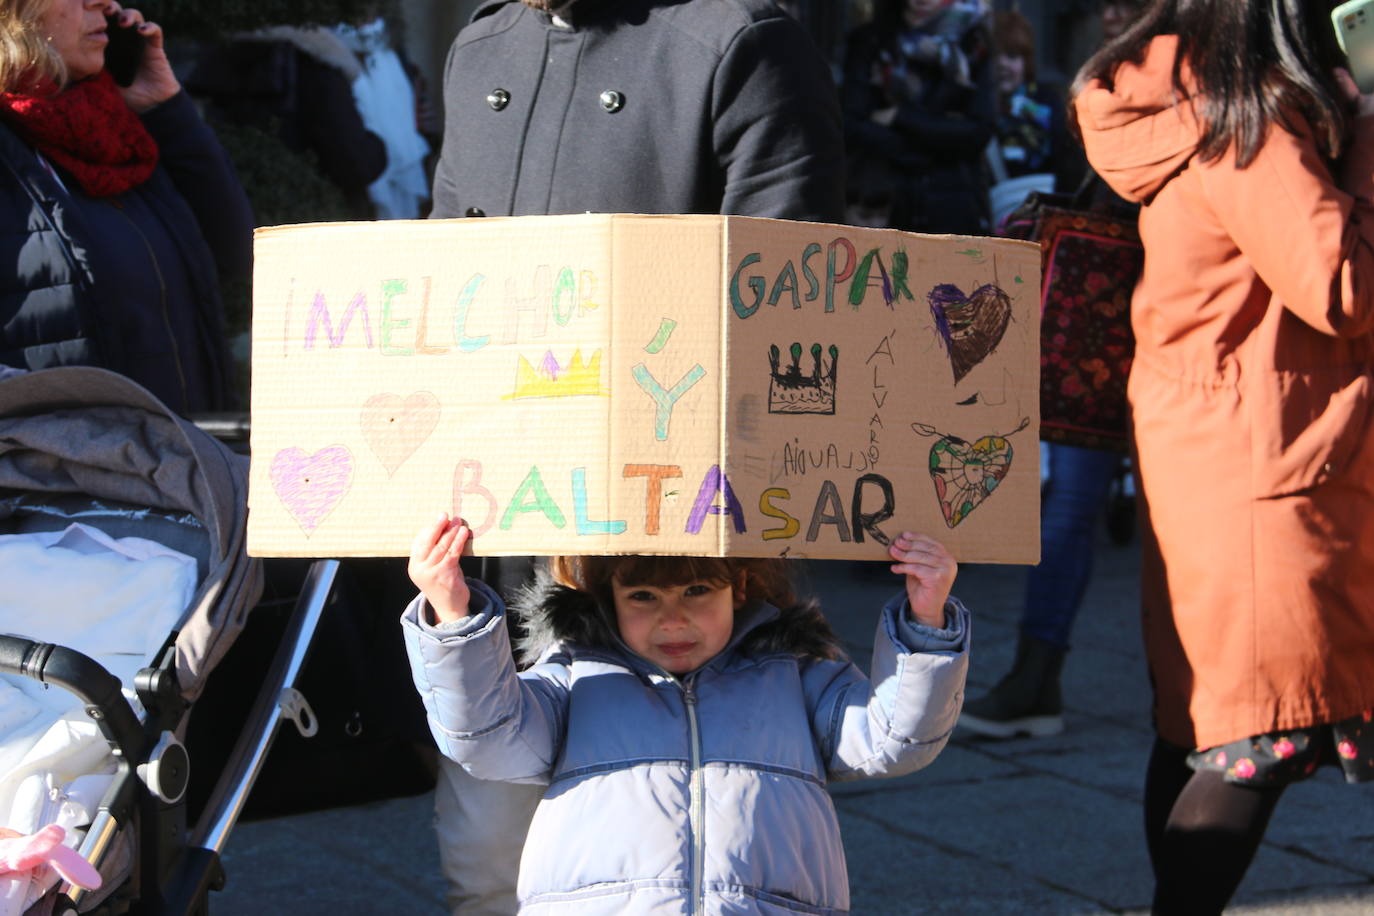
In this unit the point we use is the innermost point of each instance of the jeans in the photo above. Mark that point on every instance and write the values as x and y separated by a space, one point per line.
1079 481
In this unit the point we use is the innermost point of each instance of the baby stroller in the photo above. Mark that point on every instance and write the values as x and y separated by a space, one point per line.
124 582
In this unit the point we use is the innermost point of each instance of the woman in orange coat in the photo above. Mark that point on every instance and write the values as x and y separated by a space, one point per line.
1252 393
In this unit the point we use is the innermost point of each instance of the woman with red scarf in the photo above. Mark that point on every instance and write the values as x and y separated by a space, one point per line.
119 211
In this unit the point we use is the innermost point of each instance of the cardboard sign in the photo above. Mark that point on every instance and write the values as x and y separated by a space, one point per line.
601 384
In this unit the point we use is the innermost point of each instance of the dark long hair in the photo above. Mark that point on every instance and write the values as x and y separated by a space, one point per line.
1255 63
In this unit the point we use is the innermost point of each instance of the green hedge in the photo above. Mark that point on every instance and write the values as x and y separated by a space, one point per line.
283 186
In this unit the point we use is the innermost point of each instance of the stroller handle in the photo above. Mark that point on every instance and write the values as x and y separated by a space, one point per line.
224 426
97 688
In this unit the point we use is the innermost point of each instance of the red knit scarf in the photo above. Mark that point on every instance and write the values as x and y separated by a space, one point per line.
88 130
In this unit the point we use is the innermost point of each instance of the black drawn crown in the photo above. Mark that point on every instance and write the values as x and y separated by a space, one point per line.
794 389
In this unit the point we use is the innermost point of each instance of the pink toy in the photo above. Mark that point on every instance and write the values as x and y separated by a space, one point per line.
20 854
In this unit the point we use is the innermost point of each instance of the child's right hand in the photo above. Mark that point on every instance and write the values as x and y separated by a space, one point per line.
434 568
929 571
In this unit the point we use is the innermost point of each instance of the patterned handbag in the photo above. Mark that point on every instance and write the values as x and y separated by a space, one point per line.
1091 258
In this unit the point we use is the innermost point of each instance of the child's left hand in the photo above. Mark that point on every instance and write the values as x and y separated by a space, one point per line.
929 571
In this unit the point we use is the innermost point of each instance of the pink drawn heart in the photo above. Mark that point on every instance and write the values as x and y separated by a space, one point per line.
394 427
310 486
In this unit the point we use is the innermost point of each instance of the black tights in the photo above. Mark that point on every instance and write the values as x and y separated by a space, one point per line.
1202 832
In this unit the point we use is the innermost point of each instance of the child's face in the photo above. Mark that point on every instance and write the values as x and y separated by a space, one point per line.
1010 70
679 627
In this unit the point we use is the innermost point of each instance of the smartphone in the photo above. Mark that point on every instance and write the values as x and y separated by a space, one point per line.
124 53
1354 24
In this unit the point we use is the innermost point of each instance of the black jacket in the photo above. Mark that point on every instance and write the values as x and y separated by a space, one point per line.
639 106
128 283
934 144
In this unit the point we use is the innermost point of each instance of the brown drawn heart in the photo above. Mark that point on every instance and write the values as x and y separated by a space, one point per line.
394 427
971 326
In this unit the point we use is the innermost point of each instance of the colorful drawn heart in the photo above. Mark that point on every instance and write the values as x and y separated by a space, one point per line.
972 325
394 427
310 486
965 474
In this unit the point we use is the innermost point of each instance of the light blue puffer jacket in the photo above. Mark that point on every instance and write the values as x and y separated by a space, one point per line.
701 794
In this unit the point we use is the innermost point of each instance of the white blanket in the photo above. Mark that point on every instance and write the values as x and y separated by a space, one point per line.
115 601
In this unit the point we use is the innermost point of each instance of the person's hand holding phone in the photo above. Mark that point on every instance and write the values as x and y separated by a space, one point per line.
136 49
1362 103
1353 23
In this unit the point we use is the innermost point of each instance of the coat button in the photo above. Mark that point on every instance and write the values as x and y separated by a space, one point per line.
474 211
612 101
498 99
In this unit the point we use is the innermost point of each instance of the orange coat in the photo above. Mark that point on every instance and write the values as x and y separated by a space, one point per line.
1251 397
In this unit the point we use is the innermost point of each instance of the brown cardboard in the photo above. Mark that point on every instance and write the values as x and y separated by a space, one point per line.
643 384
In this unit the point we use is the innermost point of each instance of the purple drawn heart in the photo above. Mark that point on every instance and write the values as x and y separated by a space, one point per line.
310 486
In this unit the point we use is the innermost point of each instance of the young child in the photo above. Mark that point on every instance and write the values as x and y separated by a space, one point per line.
685 714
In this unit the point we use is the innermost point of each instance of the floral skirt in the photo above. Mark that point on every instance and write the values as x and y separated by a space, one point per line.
1279 758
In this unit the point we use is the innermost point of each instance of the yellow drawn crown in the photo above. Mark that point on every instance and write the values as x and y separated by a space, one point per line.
550 380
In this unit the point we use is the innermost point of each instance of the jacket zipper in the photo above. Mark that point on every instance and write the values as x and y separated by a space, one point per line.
52 805
166 317
697 812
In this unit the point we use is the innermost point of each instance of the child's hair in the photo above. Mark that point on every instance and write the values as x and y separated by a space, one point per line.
800 629
1014 36
766 579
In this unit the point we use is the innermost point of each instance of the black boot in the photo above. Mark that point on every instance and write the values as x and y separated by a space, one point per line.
1026 701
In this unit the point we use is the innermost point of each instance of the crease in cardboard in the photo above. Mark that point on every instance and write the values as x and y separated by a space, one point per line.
724 527
610 366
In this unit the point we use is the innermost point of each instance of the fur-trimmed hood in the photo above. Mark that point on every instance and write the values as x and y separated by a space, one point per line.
548 613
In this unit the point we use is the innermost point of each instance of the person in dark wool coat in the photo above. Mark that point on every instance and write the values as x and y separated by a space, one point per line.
639 106
618 106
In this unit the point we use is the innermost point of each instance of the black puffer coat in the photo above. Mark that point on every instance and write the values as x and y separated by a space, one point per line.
932 146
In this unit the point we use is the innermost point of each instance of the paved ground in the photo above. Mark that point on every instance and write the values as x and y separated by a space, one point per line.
1030 826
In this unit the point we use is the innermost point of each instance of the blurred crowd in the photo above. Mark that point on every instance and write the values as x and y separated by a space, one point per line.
947 124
